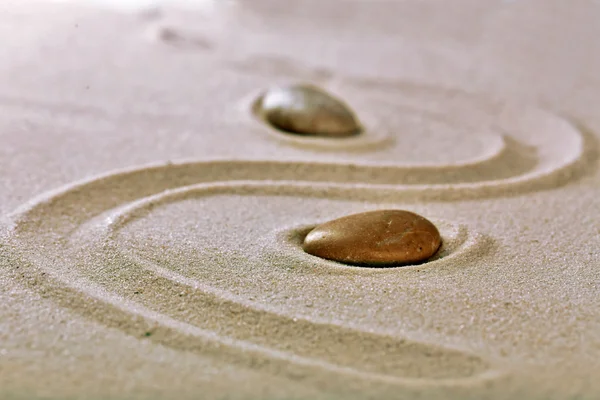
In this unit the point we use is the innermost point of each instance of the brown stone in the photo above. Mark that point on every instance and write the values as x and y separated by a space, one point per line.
307 110
376 238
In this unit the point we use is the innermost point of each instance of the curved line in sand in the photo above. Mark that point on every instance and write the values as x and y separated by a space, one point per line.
51 219
368 139
378 359
321 180
461 246
376 133
291 329
286 239
116 311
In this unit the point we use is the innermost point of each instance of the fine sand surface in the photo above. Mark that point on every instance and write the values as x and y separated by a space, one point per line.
151 225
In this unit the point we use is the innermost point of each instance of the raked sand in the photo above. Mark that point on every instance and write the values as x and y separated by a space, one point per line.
151 229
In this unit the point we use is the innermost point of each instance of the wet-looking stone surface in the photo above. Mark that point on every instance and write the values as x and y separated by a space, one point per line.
383 238
306 110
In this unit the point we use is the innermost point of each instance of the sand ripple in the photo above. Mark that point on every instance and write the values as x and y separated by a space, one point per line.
109 246
86 258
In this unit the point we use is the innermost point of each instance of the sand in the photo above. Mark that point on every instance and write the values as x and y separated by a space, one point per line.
151 229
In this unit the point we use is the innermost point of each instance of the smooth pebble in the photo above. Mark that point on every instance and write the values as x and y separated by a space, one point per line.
375 238
307 110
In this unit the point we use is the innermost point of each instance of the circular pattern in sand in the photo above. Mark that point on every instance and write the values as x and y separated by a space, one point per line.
145 262
187 254
194 255
490 147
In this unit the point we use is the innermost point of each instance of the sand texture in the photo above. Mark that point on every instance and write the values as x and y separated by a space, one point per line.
151 225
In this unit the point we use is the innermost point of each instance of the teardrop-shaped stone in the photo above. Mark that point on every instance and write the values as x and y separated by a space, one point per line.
307 110
375 238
